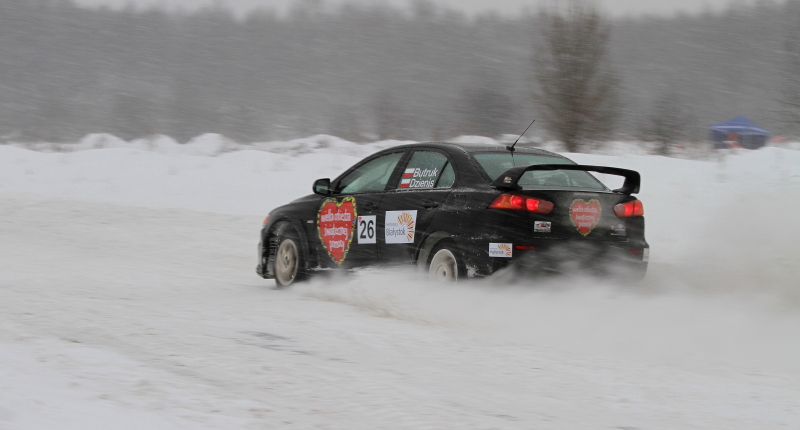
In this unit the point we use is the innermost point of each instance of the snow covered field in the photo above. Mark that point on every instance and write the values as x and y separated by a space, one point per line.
128 300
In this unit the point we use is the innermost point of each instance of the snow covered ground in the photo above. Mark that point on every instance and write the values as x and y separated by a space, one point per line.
128 300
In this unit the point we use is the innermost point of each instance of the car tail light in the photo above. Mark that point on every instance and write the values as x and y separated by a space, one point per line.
518 202
629 209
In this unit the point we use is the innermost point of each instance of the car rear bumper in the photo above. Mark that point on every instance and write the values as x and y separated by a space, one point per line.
602 258
570 256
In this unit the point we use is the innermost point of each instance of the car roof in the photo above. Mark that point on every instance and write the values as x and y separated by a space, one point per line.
481 147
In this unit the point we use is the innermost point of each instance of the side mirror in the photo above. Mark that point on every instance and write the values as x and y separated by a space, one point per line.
322 187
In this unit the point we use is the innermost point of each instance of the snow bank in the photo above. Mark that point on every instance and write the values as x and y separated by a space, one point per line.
211 144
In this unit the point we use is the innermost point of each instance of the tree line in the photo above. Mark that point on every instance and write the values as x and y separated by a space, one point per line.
367 72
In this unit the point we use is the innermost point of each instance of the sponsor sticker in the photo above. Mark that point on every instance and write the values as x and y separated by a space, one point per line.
585 215
335 222
366 229
419 178
400 226
542 226
618 230
502 250
507 180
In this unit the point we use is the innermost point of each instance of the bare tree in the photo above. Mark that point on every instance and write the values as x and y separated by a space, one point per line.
390 117
668 123
315 69
486 110
132 116
577 91
345 124
790 98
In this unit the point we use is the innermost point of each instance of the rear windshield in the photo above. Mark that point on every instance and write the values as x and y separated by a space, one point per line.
495 164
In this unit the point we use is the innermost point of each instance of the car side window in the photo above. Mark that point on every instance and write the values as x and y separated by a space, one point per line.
370 176
424 170
447 178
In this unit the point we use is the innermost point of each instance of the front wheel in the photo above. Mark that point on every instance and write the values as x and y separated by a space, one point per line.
288 262
446 265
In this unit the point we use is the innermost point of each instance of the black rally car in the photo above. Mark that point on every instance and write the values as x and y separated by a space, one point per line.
457 211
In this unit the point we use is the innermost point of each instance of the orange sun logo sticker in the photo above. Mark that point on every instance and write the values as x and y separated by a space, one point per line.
405 219
502 250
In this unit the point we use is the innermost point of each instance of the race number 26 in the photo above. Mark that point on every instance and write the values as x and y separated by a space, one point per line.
366 229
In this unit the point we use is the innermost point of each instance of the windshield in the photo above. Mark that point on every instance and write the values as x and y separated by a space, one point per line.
495 164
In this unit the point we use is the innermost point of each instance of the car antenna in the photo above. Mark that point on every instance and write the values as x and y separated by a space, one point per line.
511 148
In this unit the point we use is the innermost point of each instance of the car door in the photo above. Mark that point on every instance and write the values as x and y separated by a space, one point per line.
347 220
409 206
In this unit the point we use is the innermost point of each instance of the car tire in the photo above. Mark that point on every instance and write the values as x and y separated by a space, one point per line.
288 265
446 264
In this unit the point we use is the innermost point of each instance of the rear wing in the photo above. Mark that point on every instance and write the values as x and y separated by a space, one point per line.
509 179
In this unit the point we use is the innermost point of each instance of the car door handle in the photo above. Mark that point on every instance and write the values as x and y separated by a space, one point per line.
429 204
369 207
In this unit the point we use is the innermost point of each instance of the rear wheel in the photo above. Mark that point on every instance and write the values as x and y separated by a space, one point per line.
446 265
288 263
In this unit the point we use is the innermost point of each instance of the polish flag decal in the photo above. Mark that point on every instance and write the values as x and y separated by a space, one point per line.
409 173
404 183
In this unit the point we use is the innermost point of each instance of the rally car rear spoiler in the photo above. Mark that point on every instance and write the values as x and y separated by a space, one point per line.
509 179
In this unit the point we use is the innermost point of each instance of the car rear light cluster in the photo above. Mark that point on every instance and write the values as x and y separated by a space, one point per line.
518 202
629 209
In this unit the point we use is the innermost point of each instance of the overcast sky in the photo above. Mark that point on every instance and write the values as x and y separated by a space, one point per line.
505 7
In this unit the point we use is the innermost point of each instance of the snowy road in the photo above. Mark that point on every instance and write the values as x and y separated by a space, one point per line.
128 300
124 317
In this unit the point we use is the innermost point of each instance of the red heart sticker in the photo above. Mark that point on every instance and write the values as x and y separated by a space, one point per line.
335 222
585 215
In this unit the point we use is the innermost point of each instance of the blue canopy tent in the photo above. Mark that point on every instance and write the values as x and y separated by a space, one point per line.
738 132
